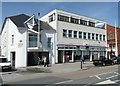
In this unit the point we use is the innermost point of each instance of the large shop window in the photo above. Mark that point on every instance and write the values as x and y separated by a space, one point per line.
64 33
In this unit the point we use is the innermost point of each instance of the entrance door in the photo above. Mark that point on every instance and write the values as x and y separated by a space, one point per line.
13 59
60 56
68 55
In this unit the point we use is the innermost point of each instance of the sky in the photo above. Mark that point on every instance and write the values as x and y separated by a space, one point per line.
106 11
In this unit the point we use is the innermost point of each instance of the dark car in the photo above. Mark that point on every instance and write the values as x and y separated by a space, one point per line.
118 60
102 61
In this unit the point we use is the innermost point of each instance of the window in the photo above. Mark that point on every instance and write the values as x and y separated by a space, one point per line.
100 37
96 36
83 22
73 20
80 34
75 34
49 42
64 33
91 24
92 36
52 17
103 37
63 18
32 40
12 41
84 35
89 36
70 33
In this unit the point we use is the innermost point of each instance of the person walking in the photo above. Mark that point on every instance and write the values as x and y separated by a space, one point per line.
45 61
83 59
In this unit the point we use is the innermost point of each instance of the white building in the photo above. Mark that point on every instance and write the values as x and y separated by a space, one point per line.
76 36
60 36
21 45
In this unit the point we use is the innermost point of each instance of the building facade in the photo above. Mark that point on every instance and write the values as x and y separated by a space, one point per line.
113 40
76 36
21 45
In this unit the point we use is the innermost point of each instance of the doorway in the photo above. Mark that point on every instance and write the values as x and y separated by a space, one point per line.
13 59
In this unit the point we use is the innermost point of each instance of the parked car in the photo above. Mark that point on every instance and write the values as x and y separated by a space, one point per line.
4 63
118 60
102 61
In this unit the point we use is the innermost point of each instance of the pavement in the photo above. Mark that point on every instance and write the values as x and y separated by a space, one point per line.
53 68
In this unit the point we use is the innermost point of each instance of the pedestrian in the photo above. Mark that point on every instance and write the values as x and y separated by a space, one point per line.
39 61
45 61
83 59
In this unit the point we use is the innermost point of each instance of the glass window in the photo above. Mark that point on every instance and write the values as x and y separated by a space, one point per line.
91 24
80 34
70 33
64 33
75 34
84 35
12 41
100 37
63 18
89 36
32 40
103 37
83 22
96 36
52 17
92 36
73 20
49 42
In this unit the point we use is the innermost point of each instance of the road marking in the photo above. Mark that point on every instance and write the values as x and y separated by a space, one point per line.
101 74
64 82
97 77
106 82
112 76
116 81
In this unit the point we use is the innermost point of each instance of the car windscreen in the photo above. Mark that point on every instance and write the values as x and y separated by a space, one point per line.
2 60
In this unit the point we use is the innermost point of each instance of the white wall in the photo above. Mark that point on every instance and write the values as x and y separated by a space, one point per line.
6 39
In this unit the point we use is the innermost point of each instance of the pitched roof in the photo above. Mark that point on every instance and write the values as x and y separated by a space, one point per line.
19 20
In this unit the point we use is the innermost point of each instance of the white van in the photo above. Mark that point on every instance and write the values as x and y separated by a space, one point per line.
4 63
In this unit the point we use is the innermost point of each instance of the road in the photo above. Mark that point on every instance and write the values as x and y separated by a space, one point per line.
86 77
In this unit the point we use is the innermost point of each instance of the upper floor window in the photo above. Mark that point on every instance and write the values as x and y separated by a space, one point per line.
49 42
74 20
91 24
80 34
70 33
32 40
93 36
89 35
83 22
103 37
63 18
100 37
12 40
52 17
96 36
84 35
64 33
75 34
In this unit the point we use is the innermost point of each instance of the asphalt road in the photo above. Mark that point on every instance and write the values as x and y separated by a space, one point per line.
94 76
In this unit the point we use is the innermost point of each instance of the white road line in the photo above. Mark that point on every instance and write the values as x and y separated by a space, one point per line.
116 81
97 77
64 82
106 82
104 74
112 76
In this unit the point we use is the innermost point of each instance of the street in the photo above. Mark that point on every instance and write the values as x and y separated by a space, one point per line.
88 76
